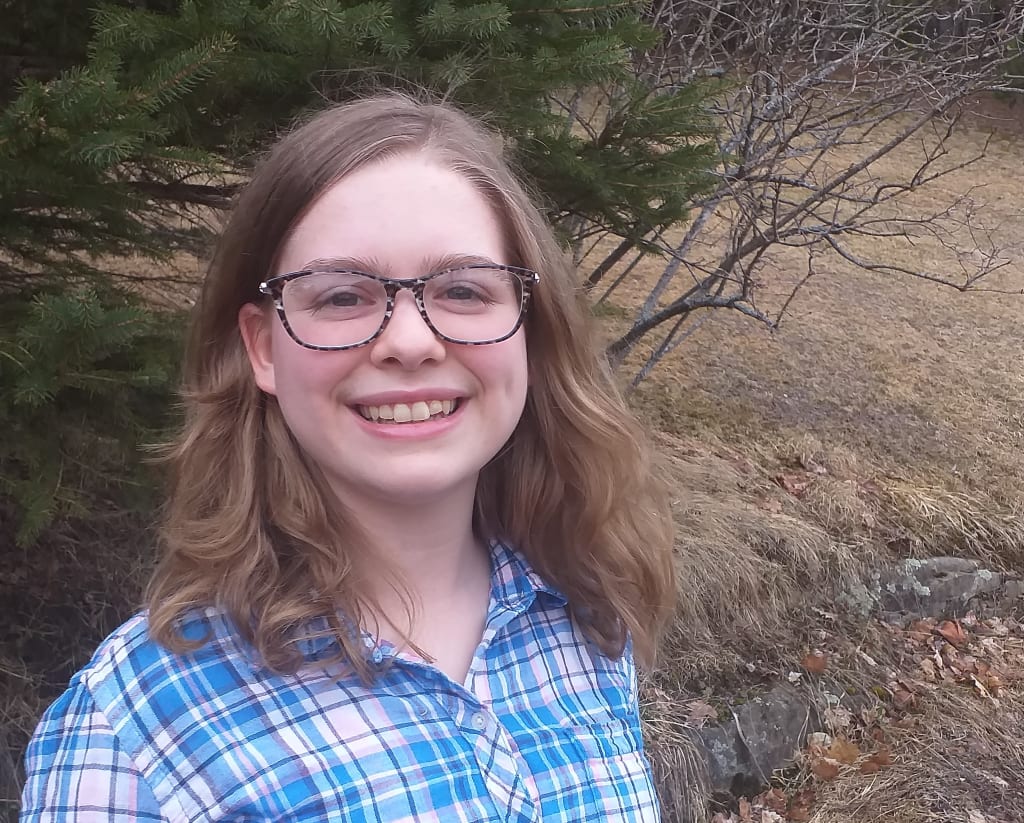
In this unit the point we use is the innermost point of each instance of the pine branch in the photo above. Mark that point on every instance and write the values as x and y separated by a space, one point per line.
218 197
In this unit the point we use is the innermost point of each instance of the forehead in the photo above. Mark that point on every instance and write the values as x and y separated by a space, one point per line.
398 214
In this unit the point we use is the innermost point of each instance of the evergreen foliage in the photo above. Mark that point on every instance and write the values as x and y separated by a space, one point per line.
85 378
161 106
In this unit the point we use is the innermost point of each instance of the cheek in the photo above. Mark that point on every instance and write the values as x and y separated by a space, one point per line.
304 375
505 366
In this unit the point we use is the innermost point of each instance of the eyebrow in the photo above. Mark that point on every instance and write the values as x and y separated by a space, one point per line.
371 265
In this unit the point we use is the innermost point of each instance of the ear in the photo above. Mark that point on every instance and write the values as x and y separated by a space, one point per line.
255 324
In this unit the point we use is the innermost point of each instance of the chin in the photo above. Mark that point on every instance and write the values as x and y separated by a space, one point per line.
416 487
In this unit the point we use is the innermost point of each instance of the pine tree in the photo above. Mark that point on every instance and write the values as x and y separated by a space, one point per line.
165 106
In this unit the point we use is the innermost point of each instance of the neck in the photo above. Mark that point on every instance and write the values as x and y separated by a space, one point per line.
435 599
429 545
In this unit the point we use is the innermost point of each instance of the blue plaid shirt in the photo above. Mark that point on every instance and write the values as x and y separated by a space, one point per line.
545 728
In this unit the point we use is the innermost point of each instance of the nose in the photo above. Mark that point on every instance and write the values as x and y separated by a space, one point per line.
407 340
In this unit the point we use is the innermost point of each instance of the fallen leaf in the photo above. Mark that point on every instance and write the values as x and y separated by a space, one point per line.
818 742
772 505
974 816
843 751
837 718
825 769
967 663
883 756
815 662
798 813
796 483
699 712
876 761
903 700
982 690
774 799
953 633
745 810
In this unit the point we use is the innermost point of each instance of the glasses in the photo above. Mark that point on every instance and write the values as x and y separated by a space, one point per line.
340 309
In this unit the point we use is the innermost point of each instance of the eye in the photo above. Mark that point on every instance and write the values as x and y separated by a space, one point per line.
463 292
341 299
336 295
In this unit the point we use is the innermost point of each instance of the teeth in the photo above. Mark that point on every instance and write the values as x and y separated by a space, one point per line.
406 413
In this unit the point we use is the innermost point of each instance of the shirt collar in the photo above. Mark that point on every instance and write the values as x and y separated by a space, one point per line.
514 583
514 587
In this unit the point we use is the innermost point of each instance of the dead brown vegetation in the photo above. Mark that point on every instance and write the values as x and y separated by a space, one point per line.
882 421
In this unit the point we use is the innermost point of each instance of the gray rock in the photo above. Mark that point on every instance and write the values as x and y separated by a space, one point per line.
936 586
1013 590
764 735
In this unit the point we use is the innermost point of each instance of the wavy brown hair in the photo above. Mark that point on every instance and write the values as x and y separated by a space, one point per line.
251 526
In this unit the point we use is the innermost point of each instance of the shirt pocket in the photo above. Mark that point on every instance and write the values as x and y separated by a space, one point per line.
617 770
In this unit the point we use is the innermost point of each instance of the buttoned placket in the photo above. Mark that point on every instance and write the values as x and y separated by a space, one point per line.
468 707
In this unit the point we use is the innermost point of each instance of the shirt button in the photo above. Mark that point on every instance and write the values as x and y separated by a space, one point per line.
422 711
377 656
479 721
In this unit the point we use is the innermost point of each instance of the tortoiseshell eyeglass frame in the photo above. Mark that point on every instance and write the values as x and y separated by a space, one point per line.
274 287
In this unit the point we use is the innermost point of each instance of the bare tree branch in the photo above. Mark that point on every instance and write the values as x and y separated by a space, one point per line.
821 96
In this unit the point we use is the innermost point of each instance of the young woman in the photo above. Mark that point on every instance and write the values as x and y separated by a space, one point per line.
413 541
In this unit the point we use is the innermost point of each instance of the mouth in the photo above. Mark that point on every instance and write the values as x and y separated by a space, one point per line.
399 413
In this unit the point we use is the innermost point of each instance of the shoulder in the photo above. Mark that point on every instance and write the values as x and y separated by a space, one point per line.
136 661
77 765
112 739
139 685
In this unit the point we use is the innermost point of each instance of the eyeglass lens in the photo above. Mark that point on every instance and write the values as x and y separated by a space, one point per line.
343 308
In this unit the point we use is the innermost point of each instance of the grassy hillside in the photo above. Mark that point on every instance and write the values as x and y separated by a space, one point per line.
884 420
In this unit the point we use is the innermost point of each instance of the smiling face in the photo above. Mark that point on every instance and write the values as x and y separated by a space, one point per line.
408 417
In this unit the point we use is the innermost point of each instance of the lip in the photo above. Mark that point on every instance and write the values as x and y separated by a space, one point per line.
432 427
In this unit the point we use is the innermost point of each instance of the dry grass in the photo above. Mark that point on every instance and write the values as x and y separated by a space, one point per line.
960 755
914 377
749 563
897 406
954 752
